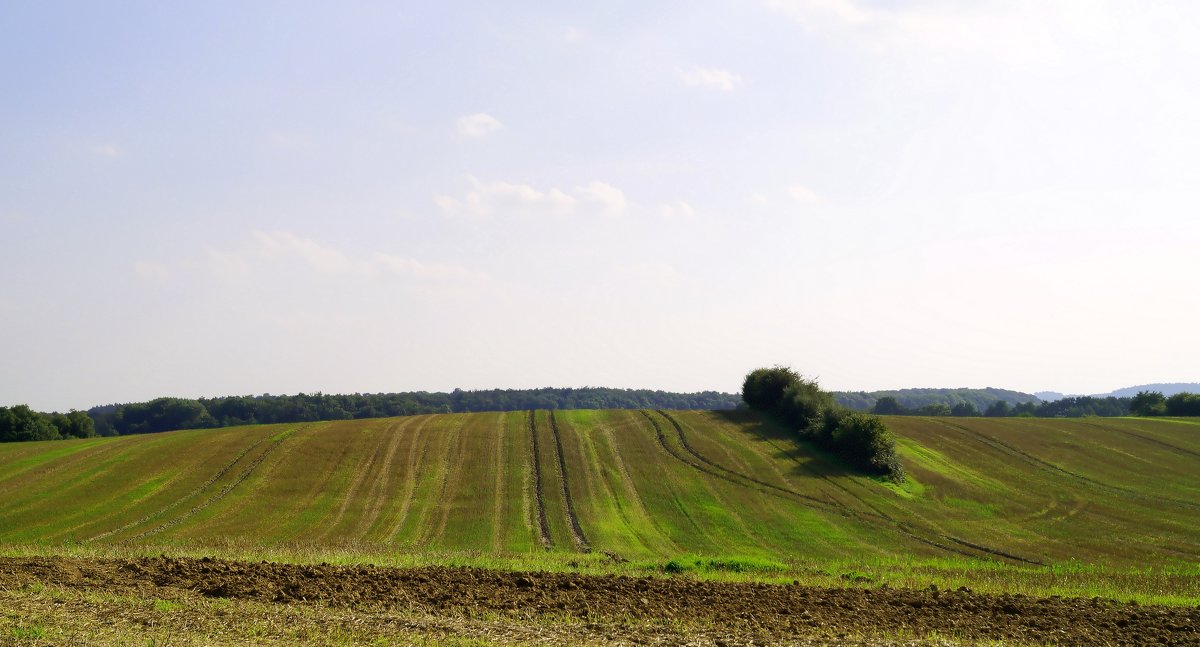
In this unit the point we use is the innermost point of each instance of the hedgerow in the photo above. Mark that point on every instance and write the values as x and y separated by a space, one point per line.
862 440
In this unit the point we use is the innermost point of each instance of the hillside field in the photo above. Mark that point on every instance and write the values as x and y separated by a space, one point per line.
632 485
606 527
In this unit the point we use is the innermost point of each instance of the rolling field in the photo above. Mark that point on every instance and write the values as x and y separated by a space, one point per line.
636 485
1018 531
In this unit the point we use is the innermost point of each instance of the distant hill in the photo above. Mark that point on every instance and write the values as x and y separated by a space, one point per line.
1167 389
917 398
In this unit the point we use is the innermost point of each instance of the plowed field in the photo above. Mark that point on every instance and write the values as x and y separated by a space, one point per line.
619 609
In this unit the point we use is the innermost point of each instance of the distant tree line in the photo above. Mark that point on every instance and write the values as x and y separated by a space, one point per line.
914 399
166 414
860 439
1075 407
1154 403
22 423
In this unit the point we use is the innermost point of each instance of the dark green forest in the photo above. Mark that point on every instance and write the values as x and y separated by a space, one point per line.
22 423
165 414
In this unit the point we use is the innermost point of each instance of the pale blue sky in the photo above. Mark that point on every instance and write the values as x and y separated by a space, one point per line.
249 197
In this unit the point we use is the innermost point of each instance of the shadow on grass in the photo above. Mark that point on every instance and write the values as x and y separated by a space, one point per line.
787 446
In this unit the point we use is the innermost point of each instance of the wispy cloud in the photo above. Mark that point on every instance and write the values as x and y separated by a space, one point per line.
677 209
711 78
277 246
502 198
479 124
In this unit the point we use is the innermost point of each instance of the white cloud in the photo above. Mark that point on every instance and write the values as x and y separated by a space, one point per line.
607 199
325 260
478 125
503 198
760 199
710 77
802 194
107 150
282 245
677 209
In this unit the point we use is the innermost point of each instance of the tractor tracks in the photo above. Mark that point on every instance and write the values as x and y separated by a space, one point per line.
875 516
199 489
1046 466
277 441
543 525
568 503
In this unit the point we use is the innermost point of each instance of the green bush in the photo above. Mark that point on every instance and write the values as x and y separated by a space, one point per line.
862 440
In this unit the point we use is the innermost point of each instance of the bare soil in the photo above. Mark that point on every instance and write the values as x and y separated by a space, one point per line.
727 613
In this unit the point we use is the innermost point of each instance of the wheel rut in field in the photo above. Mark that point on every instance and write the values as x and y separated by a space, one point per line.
909 530
1047 466
725 474
543 525
413 459
375 495
356 484
223 491
197 491
568 503
1155 441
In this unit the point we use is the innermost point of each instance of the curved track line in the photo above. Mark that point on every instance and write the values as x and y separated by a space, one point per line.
355 483
544 527
414 458
569 504
451 479
1148 439
725 474
224 491
177 502
627 481
1004 447
498 486
384 478
904 528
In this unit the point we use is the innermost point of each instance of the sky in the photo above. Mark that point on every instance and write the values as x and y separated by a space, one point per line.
217 198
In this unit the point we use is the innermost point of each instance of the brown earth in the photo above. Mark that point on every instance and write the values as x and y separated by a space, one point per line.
744 612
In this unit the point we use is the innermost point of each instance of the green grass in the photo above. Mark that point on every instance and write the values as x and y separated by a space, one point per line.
1112 501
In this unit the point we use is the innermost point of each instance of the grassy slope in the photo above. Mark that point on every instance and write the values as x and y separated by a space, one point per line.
645 485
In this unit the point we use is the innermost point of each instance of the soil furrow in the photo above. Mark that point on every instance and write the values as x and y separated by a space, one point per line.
760 613
918 535
729 476
356 482
375 496
543 524
176 503
415 459
1029 459
452 470
1160 443
498 493
221 494
568 503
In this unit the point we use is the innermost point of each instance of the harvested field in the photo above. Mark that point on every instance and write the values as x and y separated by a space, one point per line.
575 608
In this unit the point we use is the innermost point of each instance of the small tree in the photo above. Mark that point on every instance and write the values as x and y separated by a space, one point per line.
997 409
889 406
964 410
1148 403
